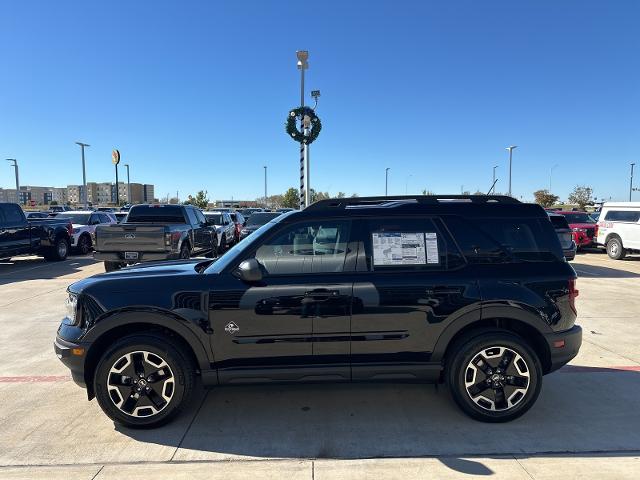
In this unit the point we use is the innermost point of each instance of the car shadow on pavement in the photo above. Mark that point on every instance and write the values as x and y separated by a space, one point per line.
581 410
584 270
36 268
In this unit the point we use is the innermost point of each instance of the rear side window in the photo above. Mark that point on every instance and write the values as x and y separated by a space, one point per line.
622 216
409 244
159 214
12 215
499 240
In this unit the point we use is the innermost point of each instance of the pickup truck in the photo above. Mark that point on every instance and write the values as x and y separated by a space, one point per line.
48 237
155 232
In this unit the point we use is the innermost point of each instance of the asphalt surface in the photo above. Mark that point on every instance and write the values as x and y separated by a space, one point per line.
586 423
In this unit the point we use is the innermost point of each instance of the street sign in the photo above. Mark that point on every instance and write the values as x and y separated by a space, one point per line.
115 157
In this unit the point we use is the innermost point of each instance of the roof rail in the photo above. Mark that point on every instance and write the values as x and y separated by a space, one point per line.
398 200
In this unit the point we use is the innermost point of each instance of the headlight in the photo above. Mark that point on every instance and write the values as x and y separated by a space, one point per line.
72 308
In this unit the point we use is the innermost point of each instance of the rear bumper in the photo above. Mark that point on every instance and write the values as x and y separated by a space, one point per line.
570 341
142 257
67 352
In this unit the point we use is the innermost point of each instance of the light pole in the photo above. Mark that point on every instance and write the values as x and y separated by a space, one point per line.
551 175
265 186
493 184
406 184
15 167
84 174
631 181
302 64
128 185
510 158
386 181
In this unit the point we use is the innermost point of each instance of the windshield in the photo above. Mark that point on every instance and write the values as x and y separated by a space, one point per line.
578 218
261 218
216 218
77 218
159 214
558 221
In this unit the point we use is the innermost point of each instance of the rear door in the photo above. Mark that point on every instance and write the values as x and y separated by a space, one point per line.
295 323
411 281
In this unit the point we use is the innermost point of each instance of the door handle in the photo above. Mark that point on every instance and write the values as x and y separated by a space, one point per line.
321 294
443 291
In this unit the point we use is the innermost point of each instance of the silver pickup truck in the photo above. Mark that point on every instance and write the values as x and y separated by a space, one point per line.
155 232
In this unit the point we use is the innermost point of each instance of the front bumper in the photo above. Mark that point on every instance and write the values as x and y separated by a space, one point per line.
571 340
69 355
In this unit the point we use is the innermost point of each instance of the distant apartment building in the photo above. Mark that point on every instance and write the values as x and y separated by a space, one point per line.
104 193
74 194
8 195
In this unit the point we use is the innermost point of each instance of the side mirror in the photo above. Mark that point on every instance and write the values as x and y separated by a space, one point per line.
249 271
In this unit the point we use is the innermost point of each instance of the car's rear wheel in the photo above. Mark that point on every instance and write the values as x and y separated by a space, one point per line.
144 381
494 377
112 266
615 249
58 251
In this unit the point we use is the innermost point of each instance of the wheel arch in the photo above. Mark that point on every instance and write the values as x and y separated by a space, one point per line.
119 325
531 334
613 235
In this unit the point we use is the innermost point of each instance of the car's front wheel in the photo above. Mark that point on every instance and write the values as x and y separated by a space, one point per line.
144 381
494 377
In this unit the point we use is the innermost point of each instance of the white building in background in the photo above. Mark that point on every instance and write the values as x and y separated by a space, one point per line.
8 195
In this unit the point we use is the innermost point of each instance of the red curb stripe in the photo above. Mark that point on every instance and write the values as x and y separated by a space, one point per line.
35 379
581 369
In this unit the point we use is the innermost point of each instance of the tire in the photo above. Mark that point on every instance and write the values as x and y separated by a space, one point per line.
164 390
112 266
223 244
185 251
615 249
511 393
59 251
213 253
84 244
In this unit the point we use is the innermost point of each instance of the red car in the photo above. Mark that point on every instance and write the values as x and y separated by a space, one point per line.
582 226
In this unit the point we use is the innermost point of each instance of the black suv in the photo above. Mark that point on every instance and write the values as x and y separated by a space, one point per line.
473 291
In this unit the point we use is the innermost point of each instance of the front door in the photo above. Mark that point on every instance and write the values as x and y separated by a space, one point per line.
294 325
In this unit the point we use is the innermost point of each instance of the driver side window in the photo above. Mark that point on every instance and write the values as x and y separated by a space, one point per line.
314 247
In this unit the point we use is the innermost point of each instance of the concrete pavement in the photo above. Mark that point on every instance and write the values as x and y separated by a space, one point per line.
585 422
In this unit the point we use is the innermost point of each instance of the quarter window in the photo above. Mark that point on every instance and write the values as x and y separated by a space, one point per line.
315 247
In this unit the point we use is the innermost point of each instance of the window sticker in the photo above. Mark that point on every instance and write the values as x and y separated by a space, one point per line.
399 248
432 247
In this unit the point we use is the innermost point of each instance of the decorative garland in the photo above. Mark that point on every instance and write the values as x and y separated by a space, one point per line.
313 121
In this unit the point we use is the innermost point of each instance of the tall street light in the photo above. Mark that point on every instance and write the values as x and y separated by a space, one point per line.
493 181
631 181
386 181
15 167
510 162
551 175
265 185
128 185
303 56
84 174
406 184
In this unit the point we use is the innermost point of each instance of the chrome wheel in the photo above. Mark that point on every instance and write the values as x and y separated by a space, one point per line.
497 378
62 249
140 384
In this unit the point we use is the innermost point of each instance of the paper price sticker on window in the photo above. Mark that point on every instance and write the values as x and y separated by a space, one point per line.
399 248
432 247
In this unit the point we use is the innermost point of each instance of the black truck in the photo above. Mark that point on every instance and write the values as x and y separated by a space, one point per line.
48 237
472 291
155 232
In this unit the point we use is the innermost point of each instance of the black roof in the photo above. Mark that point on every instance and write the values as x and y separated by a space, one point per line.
465 205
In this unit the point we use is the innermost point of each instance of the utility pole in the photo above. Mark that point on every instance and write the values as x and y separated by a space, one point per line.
386 182
303 56
265 186
15 167
510 162
84 174
128 185
630 183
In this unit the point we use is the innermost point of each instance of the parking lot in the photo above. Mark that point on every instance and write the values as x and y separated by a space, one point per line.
586 422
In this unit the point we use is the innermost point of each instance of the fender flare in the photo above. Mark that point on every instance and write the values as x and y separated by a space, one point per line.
167 320
486 312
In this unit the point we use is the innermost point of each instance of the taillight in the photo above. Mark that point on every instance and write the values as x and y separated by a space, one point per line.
167 239
595 231
573 293
70 228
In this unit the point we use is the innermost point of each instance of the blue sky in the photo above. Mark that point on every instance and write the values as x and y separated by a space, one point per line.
195 94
